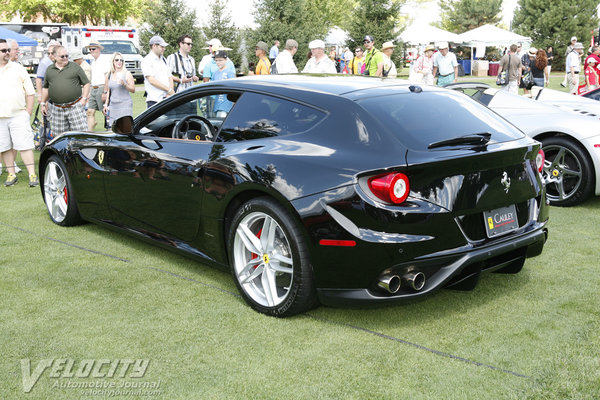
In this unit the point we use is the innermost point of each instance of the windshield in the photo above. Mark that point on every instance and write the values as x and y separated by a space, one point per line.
118 46
429 117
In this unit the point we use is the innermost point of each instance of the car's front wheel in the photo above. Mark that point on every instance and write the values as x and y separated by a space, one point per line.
58 194
269 259
568 172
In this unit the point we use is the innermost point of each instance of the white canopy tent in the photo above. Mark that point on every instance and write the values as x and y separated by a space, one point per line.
420 34
336 36
492 36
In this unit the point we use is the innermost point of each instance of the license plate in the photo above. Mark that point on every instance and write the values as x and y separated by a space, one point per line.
500 221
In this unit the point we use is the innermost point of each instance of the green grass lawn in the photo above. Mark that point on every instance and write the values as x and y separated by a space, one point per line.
87 293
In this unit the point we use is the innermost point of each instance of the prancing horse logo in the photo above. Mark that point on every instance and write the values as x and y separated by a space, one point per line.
505 181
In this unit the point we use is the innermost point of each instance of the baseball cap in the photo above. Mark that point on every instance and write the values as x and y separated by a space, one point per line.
291 43
158 40
368 38
220 54
316 44
574 38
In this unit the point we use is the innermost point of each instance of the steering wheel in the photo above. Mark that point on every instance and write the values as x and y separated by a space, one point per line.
180 131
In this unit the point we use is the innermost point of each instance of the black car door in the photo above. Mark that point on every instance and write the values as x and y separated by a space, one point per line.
154 186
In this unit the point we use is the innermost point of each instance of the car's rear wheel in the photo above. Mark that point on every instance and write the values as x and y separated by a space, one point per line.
567 172
58 194
269 259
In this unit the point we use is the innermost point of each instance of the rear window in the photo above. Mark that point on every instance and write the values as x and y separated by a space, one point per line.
420 119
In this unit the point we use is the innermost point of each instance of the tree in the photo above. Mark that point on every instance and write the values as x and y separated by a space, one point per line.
459 16
221 27
331 13
168 19
552 23
94 12
282 20
378 18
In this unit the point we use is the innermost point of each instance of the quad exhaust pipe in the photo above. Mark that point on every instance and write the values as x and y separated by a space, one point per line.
392 283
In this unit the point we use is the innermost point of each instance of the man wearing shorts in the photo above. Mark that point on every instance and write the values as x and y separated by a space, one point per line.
100 67
62 87
15 112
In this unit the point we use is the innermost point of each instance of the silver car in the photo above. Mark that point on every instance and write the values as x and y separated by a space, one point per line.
570 140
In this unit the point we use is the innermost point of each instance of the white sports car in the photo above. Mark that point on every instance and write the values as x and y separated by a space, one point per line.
570 139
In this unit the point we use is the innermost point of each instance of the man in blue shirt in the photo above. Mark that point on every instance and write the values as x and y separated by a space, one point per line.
274 52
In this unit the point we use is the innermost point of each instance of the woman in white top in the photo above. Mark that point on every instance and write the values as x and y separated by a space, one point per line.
423 67
120 84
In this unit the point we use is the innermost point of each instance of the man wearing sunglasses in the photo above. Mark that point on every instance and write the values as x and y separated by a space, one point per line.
63 98
100 68
373 58
15 112
183 66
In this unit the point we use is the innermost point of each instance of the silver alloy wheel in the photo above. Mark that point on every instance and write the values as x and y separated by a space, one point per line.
262 259
55 191
563 173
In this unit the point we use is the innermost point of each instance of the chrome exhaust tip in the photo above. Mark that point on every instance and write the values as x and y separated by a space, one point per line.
416 280
390 283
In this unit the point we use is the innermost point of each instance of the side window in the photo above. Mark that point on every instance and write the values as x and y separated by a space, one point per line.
259 116
190 111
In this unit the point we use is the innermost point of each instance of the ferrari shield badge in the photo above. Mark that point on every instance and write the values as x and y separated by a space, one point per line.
100 157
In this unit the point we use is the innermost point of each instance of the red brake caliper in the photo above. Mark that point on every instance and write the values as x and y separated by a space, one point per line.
65 196
254 255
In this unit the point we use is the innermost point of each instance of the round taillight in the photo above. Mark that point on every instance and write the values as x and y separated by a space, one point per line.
392 187
540 158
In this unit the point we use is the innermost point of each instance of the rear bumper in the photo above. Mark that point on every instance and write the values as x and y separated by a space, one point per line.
486 258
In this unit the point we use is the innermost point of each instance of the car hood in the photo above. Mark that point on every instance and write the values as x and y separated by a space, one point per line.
568 102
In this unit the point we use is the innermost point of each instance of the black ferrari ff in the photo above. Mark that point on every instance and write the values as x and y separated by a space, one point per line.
313 189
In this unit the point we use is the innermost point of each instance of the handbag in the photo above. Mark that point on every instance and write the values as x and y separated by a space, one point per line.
502 79
527 80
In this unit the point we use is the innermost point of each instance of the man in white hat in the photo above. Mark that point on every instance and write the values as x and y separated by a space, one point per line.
573 67
389 68
158 80
207 59
570 48
446 64
100 67
319 62
77 57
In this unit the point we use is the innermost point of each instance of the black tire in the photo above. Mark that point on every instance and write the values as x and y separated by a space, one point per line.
58 193
282 259
568 172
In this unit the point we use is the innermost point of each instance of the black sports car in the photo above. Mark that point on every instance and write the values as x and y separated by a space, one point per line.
339 190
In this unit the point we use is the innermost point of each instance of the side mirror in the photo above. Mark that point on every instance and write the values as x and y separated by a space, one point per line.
123 126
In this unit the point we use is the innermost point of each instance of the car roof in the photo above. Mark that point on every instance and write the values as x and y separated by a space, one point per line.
319 83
